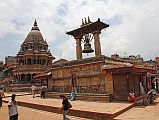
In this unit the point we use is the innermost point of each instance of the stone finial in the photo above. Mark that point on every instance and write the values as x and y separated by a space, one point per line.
82 22
35 23
98 19
89 20
85 20
35 26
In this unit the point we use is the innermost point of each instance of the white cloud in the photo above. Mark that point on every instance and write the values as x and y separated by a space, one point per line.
136 33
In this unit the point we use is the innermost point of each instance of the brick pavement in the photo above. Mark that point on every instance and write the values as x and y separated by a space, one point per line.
33 114
101 107
95 110
141 113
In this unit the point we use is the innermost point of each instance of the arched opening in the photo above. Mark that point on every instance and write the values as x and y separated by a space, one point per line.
29 77
38 62
23 77
29 61
43 61
34 61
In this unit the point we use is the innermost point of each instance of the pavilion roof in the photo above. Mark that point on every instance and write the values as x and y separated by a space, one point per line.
89 28
42 76
123 68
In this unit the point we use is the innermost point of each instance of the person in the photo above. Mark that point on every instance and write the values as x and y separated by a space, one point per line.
73 94
131 96
43 91
1 96
33 88
65 106
13 110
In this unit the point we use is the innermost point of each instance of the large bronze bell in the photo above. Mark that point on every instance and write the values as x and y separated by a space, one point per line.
87 45
87 48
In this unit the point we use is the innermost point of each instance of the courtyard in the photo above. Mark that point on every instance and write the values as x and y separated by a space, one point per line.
30 110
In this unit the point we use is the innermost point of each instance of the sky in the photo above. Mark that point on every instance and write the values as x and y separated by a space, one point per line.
134 25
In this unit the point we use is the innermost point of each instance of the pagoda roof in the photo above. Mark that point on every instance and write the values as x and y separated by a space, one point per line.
88 28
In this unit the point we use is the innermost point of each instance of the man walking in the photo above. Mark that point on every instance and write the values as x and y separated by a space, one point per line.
43 92
33 88
12 106
65 106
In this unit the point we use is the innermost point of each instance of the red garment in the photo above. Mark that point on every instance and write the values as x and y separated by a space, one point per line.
131 99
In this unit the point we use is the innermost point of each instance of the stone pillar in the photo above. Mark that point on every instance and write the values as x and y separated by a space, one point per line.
78 48
97 43
36 60
20 78
17 61
31 77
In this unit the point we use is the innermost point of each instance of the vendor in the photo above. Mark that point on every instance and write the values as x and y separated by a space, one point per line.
131 96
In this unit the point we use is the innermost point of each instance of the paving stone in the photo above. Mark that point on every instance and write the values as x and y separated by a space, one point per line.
33 114
141 113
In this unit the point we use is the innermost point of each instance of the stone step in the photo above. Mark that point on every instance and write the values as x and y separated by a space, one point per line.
22 89
71 112
83 96
74 112
35 114
22 85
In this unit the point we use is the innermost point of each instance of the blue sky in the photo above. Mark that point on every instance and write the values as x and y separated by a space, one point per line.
133 24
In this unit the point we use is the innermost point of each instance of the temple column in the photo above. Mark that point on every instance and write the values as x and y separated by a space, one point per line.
40 61
17 61
78 48
97 43
20 77
35 60
31 77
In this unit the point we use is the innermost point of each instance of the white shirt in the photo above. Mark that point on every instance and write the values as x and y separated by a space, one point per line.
13 108
33 88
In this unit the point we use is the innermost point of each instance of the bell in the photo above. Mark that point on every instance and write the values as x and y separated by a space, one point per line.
87 48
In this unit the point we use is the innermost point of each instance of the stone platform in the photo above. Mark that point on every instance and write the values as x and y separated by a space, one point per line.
20 87
83 109
84 96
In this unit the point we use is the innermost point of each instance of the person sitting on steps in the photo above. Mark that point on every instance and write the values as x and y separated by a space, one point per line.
131 96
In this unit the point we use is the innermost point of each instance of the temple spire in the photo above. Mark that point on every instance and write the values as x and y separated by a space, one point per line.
35 27
35 23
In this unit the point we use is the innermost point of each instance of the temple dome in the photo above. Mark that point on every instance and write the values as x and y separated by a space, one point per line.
34 42
34 36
